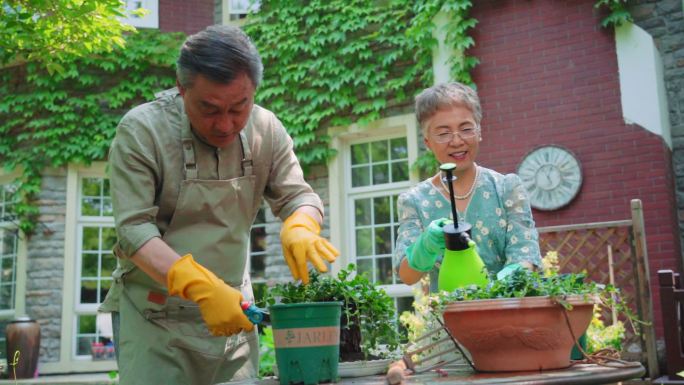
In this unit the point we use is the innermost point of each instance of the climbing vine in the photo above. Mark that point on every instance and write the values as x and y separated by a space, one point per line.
327 63
52 119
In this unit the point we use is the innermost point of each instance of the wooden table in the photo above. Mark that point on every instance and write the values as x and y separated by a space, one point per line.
583 374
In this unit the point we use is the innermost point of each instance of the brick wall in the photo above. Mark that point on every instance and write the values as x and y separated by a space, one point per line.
188 16
664 20
548 74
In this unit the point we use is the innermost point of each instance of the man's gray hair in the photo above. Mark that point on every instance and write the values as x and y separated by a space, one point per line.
220 53
446 95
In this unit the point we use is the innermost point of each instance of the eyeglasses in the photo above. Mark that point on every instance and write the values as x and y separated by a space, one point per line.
447 136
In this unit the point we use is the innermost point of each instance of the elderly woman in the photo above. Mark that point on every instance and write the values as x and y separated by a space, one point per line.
495 205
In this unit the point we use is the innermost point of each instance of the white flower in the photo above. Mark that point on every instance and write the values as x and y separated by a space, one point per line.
485 194
432 192
518 209
528 235
426 215
514 240
508 203
438 204
498 211
510 227
484 231
521 197
425 203
478 224
525 250
502 222
478 237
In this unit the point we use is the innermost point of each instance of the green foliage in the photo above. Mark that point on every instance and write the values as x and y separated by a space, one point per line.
335 62
618 13
327 63
600 336
55 32
363 304
267 359
50 120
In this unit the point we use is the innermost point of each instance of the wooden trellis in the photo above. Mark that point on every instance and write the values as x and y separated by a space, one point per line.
588 248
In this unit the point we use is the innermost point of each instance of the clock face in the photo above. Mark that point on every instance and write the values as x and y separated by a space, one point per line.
552 176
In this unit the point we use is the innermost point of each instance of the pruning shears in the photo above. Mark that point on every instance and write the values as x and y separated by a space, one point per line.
255 314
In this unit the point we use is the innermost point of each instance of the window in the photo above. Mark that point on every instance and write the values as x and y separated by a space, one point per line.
11 242
375 166
150 18
95 262
365 182
257 254
238 9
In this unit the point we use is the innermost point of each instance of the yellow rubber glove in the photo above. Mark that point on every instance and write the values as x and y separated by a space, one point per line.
301 243
218 302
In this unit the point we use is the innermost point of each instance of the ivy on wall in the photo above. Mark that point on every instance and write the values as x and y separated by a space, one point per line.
326 63
50 120
334 62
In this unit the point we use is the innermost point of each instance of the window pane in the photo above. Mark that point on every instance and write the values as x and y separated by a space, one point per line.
7 269
381 210
108 238
3 339
379 151
6 297
362 211
108 265
91 187
399 148
400 171
89 291
91 239
360 176
90 206
365 266
384 271
383 240
364 245
107 209
380 173
359 153
89 262
258 239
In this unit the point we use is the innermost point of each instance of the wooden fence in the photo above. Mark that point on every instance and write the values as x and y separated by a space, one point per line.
593 247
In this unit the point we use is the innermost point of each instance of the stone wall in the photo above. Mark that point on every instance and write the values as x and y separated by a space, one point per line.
664 21
45 265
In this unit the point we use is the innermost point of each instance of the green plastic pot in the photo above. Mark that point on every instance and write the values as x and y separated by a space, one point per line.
307 341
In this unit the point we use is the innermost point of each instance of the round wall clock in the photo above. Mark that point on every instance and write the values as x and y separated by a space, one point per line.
552 176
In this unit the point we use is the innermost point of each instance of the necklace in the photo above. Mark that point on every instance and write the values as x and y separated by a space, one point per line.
469 193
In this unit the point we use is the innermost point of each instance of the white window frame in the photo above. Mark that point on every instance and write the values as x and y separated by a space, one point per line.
231 15
68 362
21 262
150 20
339 171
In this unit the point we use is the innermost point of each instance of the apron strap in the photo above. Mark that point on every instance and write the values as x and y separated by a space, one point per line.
246 162
189 163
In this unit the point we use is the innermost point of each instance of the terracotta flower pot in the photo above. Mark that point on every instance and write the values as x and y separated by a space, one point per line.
518 334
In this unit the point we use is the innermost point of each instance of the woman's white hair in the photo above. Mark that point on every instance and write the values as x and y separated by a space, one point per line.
444 95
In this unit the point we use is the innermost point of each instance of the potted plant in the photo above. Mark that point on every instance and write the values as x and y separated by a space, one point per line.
527 321
367 325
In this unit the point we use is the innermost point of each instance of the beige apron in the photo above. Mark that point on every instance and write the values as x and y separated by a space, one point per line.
163 339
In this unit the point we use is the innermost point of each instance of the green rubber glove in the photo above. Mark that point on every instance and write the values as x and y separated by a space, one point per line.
508 270
423 253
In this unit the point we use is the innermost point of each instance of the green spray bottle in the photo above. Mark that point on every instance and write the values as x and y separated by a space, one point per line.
461 265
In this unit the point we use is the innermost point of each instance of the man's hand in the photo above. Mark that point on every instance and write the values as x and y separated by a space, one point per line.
423 253
301 243
218 302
